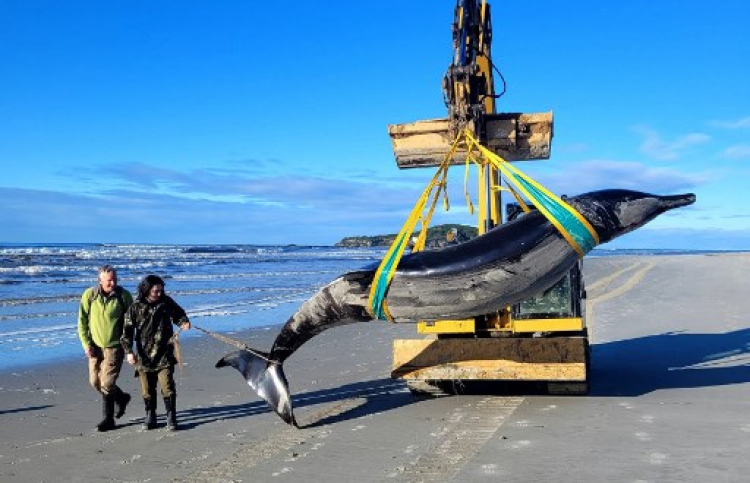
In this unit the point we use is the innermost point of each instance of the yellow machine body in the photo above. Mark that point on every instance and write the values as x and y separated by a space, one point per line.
506 324
542 340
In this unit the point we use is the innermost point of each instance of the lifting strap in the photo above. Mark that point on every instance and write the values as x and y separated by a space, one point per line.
571 225
376 303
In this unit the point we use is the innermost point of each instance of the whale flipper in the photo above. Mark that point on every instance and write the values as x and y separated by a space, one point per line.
266 378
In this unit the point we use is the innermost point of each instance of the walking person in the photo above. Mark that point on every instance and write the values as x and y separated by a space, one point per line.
149 322
101 315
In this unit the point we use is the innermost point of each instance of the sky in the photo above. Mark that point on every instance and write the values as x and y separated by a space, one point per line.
202 122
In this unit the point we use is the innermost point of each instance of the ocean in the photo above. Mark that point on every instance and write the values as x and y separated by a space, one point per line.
223 288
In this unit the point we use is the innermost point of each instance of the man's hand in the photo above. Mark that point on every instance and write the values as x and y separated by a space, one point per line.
91 351
132 359
185 325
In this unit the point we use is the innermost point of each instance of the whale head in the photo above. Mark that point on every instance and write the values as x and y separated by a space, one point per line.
615 212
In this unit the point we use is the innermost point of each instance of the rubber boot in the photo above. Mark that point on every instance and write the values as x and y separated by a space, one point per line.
169 403
150 421
121 402
108 411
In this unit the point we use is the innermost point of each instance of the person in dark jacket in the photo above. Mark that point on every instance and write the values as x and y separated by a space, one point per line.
148 323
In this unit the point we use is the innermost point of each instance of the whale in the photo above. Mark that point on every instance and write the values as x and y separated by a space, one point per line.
506 265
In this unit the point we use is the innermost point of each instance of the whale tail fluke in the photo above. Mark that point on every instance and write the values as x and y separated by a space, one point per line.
266 378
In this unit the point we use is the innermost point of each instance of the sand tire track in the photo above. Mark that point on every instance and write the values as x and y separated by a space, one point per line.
472 425
628 285
254 452
603 282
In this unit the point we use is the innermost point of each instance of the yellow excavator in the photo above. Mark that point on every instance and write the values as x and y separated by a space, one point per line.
541 340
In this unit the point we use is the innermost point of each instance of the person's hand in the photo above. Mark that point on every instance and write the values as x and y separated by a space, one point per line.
132 359
185 325
90 352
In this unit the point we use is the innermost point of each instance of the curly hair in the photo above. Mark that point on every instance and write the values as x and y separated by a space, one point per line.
146 285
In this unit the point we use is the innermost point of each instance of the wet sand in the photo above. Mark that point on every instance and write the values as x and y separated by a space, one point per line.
670 401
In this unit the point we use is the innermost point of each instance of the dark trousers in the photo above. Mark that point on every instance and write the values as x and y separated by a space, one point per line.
149 379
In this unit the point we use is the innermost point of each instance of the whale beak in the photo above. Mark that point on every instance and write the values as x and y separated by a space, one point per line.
676 201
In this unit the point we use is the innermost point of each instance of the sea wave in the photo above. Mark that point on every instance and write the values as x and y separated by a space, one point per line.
38 315
225 287
36 330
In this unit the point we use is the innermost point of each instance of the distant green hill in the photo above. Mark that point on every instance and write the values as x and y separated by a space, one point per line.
437 236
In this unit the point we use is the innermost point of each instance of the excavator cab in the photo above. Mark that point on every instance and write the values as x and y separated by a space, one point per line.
561 301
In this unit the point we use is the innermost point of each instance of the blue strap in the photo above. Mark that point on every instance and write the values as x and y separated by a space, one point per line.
577 231
381 284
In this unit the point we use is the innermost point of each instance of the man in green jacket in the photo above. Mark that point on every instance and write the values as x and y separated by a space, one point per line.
100 323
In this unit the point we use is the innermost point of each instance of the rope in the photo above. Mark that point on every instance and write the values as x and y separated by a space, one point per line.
236 343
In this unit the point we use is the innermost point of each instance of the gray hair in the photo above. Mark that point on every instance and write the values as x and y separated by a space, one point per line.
108 269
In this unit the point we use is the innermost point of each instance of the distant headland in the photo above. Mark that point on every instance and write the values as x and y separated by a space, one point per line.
437 236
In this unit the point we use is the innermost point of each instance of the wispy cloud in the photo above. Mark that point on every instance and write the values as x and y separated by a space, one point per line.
742 123
147 177
656 147
740 151
256 164
240 203
604 174
291 191
208 206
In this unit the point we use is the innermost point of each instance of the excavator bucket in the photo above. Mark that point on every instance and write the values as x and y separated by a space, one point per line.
513 136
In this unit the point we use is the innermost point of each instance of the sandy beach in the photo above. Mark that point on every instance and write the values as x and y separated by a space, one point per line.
669 401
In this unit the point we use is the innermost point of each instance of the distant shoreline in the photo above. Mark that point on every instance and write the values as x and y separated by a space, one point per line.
370 241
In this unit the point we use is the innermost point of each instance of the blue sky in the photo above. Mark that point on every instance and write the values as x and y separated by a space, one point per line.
253 122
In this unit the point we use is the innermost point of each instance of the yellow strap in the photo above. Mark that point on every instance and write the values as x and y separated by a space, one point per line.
422 239
469 204
512 172
524 207
376 301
